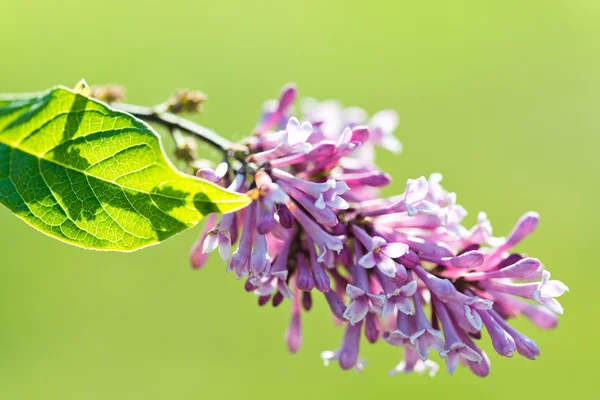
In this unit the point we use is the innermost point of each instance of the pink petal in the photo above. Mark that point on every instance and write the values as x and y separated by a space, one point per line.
388 308
394 250
386 120
368 260
377 242
469 354
225 246
292 126
422 347
357 310
287 96
354 292
404 305
451 362
554 289
416 190
386 265
409 289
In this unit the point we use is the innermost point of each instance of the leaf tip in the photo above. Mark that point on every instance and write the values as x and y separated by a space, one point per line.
83 88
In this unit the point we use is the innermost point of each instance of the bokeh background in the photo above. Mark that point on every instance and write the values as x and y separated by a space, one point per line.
501 97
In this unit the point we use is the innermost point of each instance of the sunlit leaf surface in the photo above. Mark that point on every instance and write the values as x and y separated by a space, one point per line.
86 174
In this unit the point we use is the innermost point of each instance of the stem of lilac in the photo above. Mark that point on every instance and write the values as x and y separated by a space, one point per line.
172 121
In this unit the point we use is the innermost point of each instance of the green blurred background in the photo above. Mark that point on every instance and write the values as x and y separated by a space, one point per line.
501 97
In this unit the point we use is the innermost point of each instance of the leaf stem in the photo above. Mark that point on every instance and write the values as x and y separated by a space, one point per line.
172 121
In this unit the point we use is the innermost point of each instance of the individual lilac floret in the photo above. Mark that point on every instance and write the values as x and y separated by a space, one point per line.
319 236
399 299
543 292
325 216
293 335
403 328
479 368
296 135
325 193
383 124
240 260
546 292
525 346
455 348
215 175
412 363
445 291
362 300
276 111
503 343
260 261
523 228
292 140
198 256
414 200
269 285
220 237
322 280
380 252
279 273
269 194
347 355
425 336
362 303
522 269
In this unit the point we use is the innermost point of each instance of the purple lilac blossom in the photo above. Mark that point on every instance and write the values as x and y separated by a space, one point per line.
401 268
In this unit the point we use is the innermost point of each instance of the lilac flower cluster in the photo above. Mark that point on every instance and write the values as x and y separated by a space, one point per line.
401 268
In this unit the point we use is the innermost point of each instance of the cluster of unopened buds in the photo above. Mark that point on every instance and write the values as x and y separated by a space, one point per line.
401 269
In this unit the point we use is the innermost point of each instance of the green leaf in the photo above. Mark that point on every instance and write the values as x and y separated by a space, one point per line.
86 174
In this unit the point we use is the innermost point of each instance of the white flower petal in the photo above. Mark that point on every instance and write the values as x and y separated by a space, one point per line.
210 243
